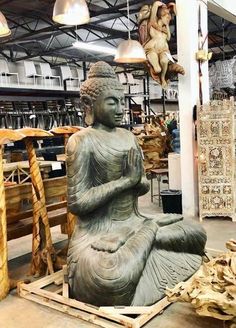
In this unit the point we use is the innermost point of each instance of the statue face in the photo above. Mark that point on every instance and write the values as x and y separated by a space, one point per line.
109 108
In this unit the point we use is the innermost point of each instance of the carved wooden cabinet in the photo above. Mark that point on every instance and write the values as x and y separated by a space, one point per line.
216 159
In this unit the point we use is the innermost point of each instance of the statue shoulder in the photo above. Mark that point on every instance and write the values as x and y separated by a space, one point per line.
125 133
77 141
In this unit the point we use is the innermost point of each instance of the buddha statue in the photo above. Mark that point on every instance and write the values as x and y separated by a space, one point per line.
116 255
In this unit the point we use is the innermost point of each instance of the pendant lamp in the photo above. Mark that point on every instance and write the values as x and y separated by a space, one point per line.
130 51
4 29
71 12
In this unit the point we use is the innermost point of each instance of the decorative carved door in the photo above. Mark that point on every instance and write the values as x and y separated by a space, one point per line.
216 159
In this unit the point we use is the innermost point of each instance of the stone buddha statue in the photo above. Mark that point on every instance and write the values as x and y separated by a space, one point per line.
118 256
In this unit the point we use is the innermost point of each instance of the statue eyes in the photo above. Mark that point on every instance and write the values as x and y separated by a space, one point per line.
112 101
115 101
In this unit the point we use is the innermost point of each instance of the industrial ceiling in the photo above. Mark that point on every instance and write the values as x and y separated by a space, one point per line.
35 36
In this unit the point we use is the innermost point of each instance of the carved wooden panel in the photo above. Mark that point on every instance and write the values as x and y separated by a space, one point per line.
216 154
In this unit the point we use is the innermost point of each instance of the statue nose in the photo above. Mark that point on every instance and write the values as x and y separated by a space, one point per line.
120 108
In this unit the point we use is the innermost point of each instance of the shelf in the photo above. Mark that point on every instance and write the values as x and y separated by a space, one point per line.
167 101
41 93
136 95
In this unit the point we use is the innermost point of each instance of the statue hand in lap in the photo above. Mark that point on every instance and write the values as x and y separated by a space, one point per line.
116 255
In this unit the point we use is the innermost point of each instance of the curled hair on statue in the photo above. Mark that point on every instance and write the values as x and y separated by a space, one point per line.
101 77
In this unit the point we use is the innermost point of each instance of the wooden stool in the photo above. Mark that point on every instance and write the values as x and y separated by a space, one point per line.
157 173
43 251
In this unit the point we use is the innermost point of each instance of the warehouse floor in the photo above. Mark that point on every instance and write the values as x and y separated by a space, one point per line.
16 312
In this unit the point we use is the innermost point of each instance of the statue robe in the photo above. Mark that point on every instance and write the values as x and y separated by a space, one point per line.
116 255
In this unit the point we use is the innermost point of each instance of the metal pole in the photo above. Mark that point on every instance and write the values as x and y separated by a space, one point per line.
84 71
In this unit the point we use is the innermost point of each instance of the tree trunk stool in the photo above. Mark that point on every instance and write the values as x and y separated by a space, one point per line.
43 252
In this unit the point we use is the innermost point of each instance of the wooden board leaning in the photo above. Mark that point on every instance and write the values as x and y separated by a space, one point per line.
52 291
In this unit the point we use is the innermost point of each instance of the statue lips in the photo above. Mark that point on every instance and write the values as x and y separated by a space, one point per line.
118 118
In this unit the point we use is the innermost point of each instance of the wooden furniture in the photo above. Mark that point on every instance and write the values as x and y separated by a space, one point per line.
20 211
216 159
20 171
42 247
23 169
61 157
10 171
5 137
157 174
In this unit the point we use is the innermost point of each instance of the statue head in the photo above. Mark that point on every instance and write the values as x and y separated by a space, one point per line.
164 14
102 96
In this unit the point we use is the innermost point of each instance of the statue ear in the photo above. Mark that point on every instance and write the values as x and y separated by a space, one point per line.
87 107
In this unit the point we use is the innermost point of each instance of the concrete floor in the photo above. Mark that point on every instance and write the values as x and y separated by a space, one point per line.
16 312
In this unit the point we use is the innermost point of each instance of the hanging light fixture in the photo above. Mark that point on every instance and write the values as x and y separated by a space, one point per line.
4 29
130 51
91 46
71 12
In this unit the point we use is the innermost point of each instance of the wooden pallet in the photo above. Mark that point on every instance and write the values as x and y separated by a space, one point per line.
52 291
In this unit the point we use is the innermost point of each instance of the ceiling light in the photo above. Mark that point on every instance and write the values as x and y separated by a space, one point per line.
130 51
71 12
4 29
94 47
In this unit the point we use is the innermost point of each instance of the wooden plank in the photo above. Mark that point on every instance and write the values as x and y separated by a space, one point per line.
65 285
24 227
45 281
103 316
11 218
76 304
55 187
73 312
16 193
126 309
155 309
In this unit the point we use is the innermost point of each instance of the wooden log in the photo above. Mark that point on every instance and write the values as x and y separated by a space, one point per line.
4 280
212 289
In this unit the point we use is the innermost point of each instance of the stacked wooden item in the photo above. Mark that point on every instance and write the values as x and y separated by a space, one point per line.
155 141
16 222
212 290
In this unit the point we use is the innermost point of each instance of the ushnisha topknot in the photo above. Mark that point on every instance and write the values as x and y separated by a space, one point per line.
100 77
103 70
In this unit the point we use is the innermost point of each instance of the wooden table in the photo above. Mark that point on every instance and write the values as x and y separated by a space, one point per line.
21 170
9 171
61 157
45 168
157 173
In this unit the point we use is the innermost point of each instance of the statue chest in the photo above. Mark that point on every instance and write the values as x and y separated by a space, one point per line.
108 153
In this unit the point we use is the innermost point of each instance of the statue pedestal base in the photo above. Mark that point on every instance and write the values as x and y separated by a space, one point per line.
52 291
